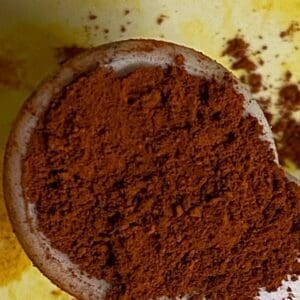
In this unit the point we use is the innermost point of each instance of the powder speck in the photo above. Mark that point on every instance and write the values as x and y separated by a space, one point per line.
160 19
122 28
286 128
237 48
255 82
244 63
92 16
288 75
290 31
294 277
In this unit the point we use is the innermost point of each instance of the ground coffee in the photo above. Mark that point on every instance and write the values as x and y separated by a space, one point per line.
158 184
287 127
284 124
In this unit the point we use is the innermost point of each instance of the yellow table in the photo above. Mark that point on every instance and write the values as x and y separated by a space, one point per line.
30 30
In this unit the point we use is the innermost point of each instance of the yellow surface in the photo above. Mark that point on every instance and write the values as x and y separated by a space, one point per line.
31 29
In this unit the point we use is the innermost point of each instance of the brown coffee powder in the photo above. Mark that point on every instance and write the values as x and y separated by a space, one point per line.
158 184
237 48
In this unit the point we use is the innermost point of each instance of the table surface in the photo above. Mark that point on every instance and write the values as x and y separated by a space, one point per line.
31 30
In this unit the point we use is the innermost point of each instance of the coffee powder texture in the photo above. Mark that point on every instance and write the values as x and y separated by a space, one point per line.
158 183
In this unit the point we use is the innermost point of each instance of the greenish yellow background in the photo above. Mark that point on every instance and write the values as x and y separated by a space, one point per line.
30 30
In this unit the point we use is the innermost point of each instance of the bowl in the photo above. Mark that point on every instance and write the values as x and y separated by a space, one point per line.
123 57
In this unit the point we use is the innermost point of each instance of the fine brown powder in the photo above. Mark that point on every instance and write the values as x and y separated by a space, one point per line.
158 183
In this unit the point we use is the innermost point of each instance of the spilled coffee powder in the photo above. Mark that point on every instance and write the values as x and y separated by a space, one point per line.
157 183
237 48
290 31
285 126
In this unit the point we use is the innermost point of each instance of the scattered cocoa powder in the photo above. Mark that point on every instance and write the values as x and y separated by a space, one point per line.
92 16
62 54
161 18
288 76
261 61
288 140
237 48
294 277
122 28
289 98
255 82
244 63
56 292
286 128
157 183
290 31
126 12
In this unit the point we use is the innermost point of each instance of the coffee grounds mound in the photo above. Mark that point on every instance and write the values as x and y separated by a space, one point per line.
158 183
